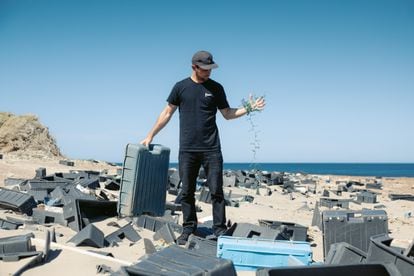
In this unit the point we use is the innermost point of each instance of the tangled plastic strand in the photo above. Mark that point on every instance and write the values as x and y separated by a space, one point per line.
255 144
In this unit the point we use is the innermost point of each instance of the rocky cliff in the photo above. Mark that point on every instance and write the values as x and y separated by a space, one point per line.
25 137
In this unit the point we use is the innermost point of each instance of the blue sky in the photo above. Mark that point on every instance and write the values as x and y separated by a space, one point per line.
338 76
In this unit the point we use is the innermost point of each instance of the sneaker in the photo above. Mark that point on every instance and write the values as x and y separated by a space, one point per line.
183 238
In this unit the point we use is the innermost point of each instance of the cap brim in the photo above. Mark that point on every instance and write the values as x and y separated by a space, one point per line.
208 66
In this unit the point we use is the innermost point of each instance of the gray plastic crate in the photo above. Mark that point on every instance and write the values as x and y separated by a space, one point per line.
127 231
175 260
334 202
165 233
19 182
9 225
409 251
329 270
38 195
40 172
202 246
380 251
248 230
401 197
69 194
36 184
89 236
377 186
229 180
156 223
367 197
15 244
42 216
294 231
17 201
67 163
343 253
174 178
81 212
317 214
353 227
144 180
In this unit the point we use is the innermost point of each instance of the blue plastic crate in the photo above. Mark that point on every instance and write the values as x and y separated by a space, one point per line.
251 254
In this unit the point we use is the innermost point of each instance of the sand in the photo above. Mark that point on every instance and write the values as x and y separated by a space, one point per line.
66 259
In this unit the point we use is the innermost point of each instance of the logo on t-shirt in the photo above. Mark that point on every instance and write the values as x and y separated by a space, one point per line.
207 94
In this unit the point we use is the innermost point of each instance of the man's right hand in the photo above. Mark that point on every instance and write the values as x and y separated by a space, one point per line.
146 142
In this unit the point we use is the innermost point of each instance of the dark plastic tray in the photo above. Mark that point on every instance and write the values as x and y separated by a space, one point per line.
367 197
15 244
155 223
295 232
202 246
175 260
248 230
17 201
380 251
343 253
334 202
126 231
89 236
9 225
81 212
332 270
44 217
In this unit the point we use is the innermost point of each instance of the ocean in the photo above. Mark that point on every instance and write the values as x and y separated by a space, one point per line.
353 169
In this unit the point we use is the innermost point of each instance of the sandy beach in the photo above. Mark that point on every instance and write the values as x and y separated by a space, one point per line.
293 100
67 259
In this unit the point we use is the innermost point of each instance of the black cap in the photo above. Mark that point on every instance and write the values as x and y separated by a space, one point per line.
204 60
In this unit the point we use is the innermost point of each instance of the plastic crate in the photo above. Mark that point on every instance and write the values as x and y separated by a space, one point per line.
202 246
249 230
342 253
175 260
334 202
17 201
81 212
295 231
380 251
156 223
44 216
353 227
126 231
45 185
329 270
13 244
250 254
367 197
89 236
144 180
9 225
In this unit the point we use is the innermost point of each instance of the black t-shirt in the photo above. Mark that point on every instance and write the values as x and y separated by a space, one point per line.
198 104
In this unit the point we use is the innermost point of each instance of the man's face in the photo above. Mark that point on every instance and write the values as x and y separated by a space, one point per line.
202 74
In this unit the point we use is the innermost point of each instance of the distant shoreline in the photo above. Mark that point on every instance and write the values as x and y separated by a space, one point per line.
345 169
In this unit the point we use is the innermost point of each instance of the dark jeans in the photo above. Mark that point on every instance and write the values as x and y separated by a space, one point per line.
189 166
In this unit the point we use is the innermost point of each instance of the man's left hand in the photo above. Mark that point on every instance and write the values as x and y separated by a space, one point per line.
258 104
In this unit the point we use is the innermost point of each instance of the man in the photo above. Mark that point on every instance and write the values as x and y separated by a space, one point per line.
198 98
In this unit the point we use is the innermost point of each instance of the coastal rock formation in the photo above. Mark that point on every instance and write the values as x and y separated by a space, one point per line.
25 137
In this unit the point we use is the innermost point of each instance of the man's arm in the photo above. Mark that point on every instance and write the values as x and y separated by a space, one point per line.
161 122
233 113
